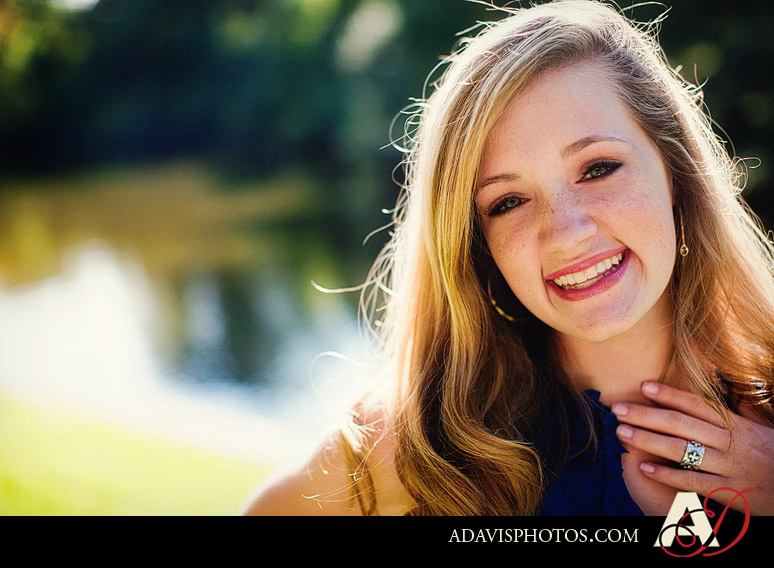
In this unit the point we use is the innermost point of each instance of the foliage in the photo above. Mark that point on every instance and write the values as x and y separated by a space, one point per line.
262 86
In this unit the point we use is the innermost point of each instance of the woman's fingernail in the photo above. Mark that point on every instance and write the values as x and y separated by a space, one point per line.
647 467
620 409
624 431
650 388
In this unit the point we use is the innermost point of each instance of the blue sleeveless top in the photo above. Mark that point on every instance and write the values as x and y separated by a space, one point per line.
592 484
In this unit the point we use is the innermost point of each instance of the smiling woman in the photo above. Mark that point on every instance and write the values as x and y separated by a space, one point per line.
563 175
592 188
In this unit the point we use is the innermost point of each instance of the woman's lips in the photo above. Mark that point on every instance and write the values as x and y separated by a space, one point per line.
600 275
584 278
585 263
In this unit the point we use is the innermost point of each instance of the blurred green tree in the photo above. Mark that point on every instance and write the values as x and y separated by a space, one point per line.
265 86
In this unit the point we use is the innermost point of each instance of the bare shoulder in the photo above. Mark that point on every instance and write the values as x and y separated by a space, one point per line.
321 485
350 473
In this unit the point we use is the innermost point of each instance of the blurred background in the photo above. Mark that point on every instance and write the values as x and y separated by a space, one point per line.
175 175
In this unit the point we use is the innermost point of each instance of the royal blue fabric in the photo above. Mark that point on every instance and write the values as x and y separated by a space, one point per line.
592 484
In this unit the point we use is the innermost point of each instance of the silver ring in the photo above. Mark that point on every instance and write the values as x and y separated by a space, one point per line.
694 454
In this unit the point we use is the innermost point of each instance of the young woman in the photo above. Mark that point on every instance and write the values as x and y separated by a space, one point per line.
575 305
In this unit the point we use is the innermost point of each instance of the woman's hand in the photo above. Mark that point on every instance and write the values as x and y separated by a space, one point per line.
741 459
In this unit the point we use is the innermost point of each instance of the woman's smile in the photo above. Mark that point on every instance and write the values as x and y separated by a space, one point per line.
598 277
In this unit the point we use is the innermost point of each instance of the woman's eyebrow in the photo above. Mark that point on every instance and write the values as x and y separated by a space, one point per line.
498 178
576 147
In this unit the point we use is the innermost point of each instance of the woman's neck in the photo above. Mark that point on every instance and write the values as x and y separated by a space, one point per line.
618 366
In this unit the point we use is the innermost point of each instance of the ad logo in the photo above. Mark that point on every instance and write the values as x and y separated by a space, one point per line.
687 530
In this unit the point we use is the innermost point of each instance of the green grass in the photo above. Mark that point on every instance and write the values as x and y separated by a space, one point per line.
55 463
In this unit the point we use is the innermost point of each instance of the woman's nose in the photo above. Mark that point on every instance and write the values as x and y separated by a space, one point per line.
566 223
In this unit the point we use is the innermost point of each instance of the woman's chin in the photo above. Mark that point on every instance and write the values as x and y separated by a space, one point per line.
619 320
596 332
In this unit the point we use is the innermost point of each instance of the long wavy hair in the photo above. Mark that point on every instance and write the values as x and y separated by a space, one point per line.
472 390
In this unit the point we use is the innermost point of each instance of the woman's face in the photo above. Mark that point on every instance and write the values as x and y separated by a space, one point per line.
576 207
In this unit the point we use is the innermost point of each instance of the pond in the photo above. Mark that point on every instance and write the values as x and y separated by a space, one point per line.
156 298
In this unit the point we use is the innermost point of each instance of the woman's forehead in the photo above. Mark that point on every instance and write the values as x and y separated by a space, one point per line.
561 112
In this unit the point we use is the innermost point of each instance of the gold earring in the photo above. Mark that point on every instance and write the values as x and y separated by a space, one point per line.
502 313
684 250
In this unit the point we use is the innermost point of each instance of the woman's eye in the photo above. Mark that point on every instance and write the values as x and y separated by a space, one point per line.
600 169
504 205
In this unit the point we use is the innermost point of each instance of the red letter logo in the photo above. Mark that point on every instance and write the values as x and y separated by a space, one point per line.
687 526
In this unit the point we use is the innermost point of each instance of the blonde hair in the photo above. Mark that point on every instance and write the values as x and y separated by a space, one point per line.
473 388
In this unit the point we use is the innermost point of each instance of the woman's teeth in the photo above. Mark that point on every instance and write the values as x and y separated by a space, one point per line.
584 279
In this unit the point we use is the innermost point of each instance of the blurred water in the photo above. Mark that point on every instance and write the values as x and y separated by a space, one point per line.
103 338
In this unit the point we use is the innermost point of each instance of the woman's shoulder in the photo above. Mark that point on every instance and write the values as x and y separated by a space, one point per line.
352 472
